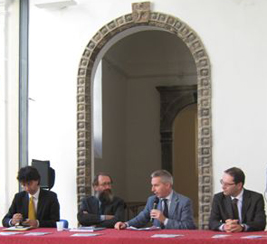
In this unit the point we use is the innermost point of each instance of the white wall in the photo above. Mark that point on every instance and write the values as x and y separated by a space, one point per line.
114 128
9 52
234 35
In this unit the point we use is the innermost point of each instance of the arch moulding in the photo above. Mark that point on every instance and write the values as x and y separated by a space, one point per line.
84 100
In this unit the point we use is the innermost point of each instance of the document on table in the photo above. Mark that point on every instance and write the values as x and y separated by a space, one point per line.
147 228
86 234
166 235
252 237
220 236
37 233
9 233
86 229
18 228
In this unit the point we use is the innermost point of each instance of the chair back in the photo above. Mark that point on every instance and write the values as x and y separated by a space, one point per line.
46 172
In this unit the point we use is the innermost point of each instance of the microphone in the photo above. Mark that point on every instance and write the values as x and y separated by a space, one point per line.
155 205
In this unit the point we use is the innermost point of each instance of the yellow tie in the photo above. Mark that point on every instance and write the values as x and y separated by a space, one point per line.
31 212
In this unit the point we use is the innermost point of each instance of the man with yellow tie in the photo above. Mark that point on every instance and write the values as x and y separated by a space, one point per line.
34 206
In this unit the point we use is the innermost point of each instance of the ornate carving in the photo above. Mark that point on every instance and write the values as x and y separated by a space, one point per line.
141 12
84 83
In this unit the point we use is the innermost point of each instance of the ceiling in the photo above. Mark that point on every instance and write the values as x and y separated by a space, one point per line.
152 54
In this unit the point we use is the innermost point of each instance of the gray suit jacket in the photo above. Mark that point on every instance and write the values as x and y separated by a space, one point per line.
180 214
253 213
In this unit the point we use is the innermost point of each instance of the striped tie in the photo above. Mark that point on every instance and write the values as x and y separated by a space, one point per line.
31 210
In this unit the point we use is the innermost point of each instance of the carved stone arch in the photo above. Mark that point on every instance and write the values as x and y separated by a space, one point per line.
84 100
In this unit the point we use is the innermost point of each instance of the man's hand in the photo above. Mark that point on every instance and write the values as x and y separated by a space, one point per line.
232 225
16 218
120 226
157 214
30 222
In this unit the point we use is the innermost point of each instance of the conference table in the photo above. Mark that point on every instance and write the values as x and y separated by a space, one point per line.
112 236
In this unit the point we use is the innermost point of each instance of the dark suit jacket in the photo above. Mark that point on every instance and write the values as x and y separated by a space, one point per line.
253 214
180 214
47 208
91 205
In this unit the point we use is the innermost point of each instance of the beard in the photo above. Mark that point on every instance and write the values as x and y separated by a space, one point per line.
105 196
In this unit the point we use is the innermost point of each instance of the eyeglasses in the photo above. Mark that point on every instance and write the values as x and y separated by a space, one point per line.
226 184
106 184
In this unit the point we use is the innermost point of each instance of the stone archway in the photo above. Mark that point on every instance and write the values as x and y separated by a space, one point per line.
142 16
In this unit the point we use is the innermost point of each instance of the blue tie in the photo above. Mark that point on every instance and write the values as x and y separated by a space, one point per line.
165 210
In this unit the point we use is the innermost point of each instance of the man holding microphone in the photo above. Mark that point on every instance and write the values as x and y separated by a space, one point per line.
167 209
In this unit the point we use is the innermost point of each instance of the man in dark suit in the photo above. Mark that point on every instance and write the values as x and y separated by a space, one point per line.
237 209
34 206
103 209
166 208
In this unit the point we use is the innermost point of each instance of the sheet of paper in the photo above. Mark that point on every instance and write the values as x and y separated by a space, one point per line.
147 228
166 235
37 233
18 228
220 236
86 229
79 230
252 237
8 233
85 234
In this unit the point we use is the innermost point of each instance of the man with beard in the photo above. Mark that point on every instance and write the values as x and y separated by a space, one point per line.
103 209
236 209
